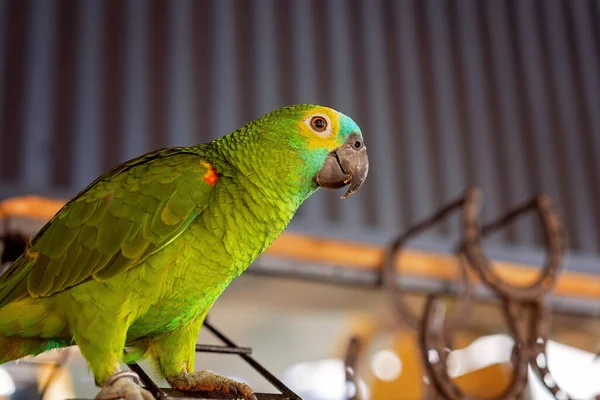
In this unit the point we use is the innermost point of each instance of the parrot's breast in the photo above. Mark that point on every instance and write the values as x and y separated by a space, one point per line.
184 279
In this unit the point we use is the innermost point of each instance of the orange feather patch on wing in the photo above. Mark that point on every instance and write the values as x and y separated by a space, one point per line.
210 176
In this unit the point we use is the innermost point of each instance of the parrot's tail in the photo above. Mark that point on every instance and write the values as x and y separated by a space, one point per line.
15 347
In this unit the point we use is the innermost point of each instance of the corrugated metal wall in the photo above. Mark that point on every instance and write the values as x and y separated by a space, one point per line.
505 94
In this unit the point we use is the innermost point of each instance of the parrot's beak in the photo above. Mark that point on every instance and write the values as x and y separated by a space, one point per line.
348 164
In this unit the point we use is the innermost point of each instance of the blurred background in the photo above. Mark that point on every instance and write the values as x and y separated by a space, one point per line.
501 94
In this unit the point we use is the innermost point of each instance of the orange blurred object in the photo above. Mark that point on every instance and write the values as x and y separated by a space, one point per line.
488 382
30 207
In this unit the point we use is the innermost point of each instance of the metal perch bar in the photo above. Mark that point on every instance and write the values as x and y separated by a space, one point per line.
207 348
230 348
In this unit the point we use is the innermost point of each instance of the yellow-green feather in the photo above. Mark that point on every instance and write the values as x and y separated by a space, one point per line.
104 232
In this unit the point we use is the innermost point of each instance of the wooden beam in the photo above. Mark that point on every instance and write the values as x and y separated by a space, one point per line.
419 263
30 207
356 255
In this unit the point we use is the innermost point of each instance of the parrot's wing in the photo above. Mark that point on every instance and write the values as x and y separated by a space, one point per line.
119 220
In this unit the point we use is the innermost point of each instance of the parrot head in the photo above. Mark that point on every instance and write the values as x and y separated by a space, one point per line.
346 161
330 145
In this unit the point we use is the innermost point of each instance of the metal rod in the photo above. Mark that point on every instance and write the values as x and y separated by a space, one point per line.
146 380
259 368
350 360
209 348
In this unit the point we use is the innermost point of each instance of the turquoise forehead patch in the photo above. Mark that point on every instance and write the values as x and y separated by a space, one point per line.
348 126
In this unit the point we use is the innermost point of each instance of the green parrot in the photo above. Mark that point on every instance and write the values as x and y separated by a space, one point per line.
138 258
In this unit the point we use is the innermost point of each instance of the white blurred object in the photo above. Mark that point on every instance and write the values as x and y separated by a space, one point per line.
386 365
574 371
321 380
7 385
483 352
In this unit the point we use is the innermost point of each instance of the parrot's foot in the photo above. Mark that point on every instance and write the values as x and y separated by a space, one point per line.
209 381
123 385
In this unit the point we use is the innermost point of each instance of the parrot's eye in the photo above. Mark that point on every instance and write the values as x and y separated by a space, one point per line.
319 124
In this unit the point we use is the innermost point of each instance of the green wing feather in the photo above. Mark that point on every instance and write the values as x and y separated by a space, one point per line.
127 214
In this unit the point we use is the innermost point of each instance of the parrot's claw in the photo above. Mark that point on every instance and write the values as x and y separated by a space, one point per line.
123 385
209 381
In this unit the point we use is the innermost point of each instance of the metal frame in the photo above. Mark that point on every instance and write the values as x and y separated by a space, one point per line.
229 348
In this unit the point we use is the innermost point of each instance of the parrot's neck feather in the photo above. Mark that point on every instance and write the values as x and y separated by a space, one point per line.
275 170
